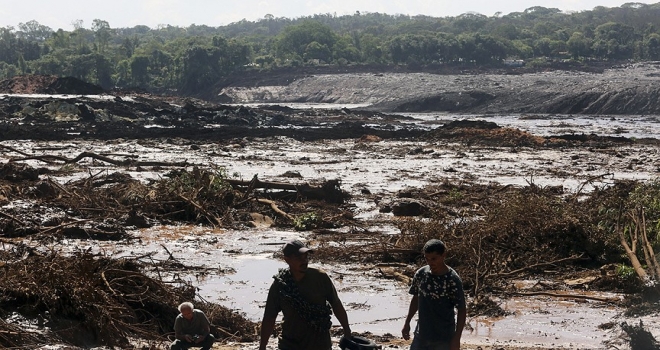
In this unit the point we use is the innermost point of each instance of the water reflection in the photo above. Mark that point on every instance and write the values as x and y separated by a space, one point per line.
373 304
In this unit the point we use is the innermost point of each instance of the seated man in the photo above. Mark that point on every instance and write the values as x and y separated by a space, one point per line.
191 329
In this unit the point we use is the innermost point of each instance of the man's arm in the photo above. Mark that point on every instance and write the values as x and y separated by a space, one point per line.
267 328
178 329
412 310
460 324
271 311
342 317
205 328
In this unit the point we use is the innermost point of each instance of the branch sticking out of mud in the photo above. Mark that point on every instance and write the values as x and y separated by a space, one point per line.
51 159
570 296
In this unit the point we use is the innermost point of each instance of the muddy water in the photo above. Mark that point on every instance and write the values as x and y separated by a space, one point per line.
240 264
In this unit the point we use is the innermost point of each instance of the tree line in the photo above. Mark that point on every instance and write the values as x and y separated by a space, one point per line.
192 59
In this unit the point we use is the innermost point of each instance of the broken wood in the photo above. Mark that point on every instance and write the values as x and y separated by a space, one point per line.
127 162
570 296
14 150
210 217
530 267
389 272
275 208
12 218
51 159
55 228
328 191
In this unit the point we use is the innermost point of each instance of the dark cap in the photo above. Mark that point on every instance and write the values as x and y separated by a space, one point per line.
295 247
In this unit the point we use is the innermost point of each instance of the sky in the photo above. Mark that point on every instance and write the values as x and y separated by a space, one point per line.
58 14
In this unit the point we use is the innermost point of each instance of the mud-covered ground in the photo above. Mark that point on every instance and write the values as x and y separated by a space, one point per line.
98 171
631 89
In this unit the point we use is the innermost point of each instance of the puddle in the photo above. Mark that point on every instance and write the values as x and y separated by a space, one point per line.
544 322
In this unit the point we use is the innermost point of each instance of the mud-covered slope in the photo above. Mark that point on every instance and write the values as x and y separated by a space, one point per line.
630 89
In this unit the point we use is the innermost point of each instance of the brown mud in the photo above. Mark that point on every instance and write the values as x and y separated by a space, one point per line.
523 232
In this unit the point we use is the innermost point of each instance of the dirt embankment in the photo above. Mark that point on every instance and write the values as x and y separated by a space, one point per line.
631 89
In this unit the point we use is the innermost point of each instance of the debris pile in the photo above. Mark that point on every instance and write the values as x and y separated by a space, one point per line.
88 300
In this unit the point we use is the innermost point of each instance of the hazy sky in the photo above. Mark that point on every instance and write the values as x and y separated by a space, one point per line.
128 13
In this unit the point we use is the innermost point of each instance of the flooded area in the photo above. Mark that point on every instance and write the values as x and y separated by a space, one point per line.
237 265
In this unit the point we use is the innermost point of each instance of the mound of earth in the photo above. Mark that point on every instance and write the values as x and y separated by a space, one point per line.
628 89
48 84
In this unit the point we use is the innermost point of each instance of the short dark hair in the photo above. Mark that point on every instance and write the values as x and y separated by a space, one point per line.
434 246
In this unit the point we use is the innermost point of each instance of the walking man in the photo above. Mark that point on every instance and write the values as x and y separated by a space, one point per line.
306 297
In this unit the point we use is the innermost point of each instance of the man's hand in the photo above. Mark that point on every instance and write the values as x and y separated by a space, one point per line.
198 338
405 332
188 338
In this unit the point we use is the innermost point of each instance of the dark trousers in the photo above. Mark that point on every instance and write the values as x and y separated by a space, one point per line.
183 345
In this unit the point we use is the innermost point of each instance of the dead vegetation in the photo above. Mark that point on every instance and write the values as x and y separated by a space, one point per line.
499 234
496 235
86 299
102 205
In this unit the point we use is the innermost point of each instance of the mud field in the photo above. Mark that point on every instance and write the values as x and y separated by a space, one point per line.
614 89
153 200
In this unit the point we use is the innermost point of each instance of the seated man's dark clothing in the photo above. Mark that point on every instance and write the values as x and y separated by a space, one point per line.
193 332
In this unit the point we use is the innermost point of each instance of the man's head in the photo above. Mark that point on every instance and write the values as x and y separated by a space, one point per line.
296 255
294 247
434 246
186 309
434 253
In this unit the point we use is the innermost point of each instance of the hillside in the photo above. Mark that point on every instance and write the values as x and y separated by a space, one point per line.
630 89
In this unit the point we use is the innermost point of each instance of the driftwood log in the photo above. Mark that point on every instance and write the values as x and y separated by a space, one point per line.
329 191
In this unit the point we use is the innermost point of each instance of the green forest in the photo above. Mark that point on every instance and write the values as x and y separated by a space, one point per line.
191 59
